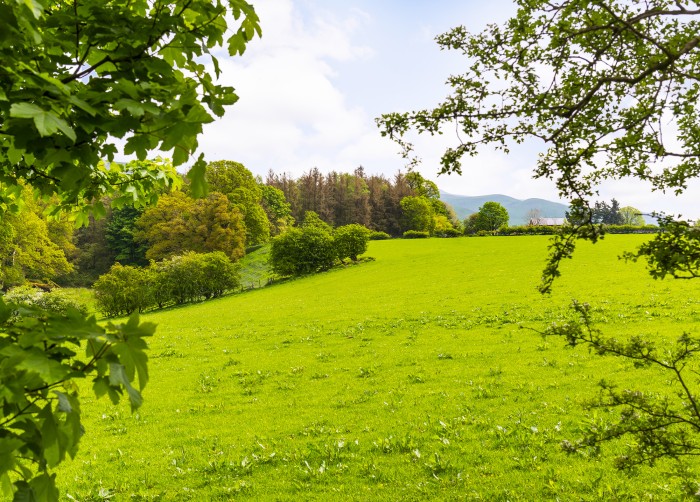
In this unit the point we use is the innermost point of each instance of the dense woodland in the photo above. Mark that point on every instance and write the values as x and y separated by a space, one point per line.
239 212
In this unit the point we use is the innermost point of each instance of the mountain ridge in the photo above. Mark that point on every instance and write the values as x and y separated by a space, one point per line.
518 209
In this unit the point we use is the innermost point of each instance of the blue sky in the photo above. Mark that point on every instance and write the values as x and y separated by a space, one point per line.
324 69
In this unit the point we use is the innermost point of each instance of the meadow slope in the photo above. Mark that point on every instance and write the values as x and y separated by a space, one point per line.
405 378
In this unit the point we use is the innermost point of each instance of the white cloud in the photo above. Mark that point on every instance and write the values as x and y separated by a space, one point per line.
290 116
311 87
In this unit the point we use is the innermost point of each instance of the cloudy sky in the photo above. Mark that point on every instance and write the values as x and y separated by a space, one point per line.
312 86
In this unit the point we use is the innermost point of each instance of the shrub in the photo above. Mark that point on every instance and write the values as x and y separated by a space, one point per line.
350 241
415 234
51 301
302 251
530 230
122 290
448 232
220 274
378 236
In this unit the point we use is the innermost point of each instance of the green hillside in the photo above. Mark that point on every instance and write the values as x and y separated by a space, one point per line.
404 378
517 209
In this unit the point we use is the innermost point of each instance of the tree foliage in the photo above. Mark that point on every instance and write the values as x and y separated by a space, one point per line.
40 412
238 184
418 214
77 79
661 425
609 87
344 198
631 216
278 210
179 223
79 76
350 241
490 217
32 246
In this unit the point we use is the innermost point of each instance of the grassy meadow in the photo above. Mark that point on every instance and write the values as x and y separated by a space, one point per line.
404 378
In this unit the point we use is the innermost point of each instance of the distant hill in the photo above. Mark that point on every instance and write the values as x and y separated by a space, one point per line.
517 209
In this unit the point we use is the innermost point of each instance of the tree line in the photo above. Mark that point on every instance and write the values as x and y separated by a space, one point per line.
239 211
375 201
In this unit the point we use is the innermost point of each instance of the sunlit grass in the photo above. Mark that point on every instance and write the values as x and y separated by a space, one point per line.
406 378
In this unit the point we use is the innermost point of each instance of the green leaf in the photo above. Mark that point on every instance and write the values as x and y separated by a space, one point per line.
118 377
63 402
197 177
49 436
44 487
37 361
46 123
8 445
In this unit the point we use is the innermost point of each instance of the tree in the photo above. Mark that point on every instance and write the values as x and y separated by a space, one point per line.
278 210
490 217
611 89
350 241
178 223
417 214
29 245
120 234
77 77
631 216
240 186
301 251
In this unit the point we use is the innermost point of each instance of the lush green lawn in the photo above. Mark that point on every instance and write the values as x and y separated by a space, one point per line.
406 378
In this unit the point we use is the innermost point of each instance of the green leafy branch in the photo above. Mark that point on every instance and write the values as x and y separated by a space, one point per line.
660 426
39 402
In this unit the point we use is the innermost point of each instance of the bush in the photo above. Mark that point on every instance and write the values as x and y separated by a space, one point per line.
415 234
378 236
448 232
51 301
302 251
350 241
220 274
122 290
530 230
192 277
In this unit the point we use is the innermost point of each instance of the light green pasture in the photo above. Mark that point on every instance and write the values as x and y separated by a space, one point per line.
405 378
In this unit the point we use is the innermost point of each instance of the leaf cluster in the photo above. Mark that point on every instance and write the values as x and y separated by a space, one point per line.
78 76
41 354
656 425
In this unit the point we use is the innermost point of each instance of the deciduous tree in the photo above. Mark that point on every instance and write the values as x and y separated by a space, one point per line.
611 90
631 216
240 186
76 78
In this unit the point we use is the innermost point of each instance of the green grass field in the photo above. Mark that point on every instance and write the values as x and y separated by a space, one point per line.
404 378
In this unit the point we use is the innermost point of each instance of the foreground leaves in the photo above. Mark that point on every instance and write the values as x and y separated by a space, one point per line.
655 425
41 353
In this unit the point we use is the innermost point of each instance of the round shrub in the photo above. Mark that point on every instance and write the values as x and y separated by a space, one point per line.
350 241
302 251
122 290
379 236
220 275
415 234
